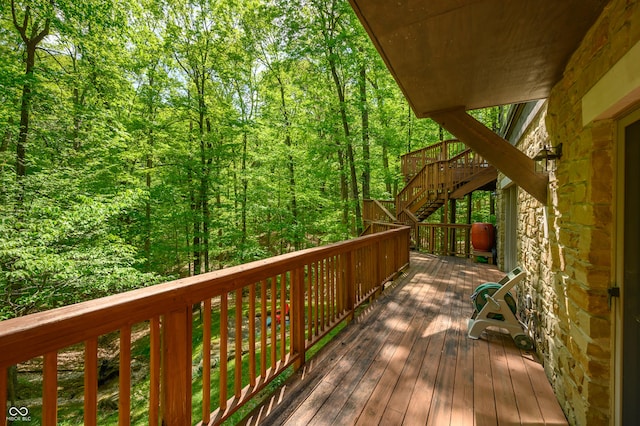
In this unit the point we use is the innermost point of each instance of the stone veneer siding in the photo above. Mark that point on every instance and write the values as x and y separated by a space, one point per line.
567 246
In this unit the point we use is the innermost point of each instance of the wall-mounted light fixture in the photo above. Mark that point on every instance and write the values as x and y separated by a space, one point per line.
544 159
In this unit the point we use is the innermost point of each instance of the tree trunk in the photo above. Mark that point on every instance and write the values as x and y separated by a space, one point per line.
243 202
291 166
31 44
147 207
206 212
195 211
388 179
147 210
344 188
197 256
203 193
385 166
350 155
366 156
25 106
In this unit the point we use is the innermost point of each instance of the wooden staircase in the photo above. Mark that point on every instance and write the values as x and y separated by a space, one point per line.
434 175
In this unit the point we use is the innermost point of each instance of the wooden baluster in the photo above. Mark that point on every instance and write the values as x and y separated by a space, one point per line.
359 275
349 283
263 329
313 277
327 269
154 370
238 345
381 264
252 334
206 361
297 317
337 285
124 378
283 304
224 337
344 285
370 269
91 382
323 292
334 287
274 296
309 294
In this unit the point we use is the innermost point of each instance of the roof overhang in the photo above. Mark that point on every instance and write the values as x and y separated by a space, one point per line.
473 54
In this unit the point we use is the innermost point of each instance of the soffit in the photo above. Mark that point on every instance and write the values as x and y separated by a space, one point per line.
475 53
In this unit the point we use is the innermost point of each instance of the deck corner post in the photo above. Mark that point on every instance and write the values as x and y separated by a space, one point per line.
50 389
298 344
176 367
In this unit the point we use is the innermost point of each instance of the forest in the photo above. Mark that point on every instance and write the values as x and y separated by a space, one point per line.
146 140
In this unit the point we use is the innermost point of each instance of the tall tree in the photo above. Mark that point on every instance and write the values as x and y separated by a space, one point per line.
275 55
364 116
191 32
331 15
33 26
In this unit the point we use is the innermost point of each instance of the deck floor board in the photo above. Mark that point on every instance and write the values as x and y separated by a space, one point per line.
408 361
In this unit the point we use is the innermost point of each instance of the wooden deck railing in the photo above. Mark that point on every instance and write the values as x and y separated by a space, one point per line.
321 286
435 238
443 239
375 227
379 210
414 161
435 178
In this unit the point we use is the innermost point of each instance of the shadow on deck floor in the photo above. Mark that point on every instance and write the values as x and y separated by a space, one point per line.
407 360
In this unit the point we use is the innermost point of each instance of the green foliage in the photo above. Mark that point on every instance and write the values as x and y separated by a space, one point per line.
172 138
57 249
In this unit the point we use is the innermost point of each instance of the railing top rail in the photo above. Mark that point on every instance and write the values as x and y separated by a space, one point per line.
25 337
439 145
443 225
465 152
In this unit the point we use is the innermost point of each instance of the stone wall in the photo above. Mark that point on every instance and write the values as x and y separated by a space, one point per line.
567 246
539 252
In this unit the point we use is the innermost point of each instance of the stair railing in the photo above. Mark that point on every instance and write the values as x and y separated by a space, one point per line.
378 211
413 162
437 177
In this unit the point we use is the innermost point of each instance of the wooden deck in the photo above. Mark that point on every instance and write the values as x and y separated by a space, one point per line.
408 361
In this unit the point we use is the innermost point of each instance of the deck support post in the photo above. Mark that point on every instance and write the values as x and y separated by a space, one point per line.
50 389
498 151
452 220
176 367
445 221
